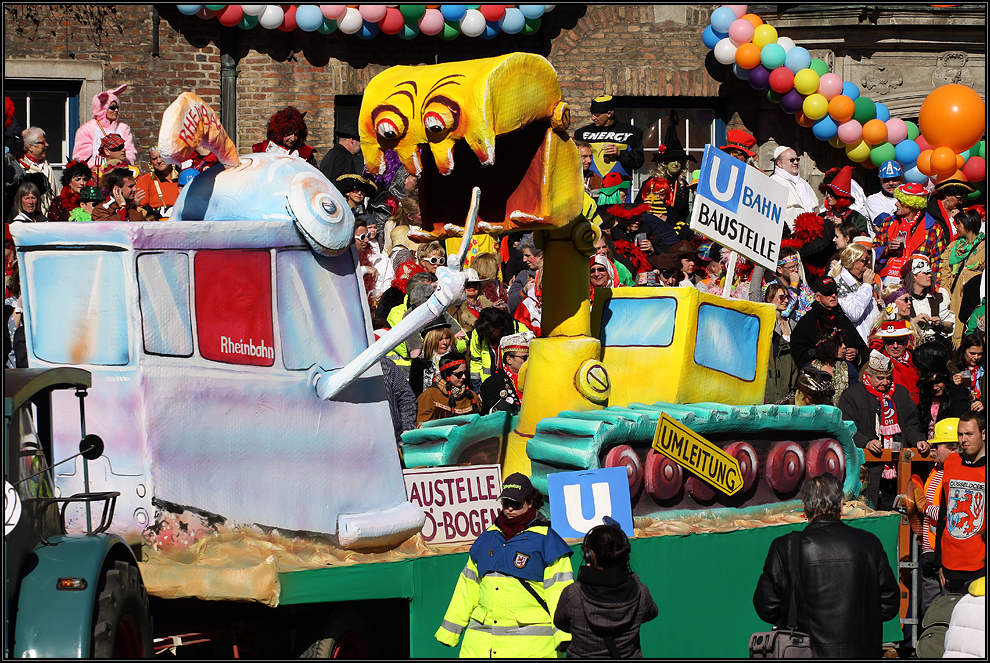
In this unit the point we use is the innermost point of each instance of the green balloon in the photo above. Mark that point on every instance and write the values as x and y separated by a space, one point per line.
473 6
214 8
913 130
248 22
532 25
450 30
818 66
412 12
865 111
774 96
409 31
882 152
327 27
974 195
982 149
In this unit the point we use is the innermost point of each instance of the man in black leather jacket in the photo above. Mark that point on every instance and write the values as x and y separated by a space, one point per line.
847 589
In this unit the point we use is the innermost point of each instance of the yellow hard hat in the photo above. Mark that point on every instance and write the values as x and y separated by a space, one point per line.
945 431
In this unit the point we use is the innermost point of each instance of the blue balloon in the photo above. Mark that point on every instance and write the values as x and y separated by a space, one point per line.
798 58
906 152
533 11
368 30
309 18
883 113
513 22
850 90
722 18
453 12
189 10
708 36
825 128
741 74
491 29
772 56
914 175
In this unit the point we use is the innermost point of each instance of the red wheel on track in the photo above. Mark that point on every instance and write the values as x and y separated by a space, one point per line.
699 490
663 477
623 455
748 465
785 466
826 456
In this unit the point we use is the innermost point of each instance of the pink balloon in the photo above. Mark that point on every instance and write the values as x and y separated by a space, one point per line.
333 12
431 22
850 132
741 31
896 130
372 13
975 169
739 10
923 144
829 86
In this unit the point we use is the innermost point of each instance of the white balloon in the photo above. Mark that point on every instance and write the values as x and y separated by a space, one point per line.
253 10
548 8
725 51
473 23
272 17
787 43
351 22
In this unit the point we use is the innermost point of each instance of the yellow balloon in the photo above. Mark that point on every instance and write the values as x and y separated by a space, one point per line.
765 34
815 107
835 141
858 152
806 81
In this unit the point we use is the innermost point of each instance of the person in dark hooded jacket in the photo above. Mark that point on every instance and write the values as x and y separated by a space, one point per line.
604 608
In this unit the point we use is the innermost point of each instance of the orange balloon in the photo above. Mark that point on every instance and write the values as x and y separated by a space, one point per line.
957 175
943 160
925 163
960 162
748 55
875 132
868 164
953 116
841 108
803 120
754 19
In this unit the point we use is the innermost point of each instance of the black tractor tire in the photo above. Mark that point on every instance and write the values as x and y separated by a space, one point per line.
122 626
346 635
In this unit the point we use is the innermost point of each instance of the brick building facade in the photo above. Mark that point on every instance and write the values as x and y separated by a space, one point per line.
650 57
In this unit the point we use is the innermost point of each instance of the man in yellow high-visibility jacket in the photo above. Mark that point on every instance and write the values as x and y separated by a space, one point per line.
507 593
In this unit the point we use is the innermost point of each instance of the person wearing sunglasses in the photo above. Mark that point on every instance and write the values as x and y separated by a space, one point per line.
501 392
801 197
450 397
509 590
106 121
895 339
430 256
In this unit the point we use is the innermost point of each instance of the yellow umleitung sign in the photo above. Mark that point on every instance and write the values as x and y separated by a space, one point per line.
693 452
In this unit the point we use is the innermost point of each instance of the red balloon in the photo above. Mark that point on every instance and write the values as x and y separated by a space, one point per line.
289 22
781 80
975 169
231 15
492 12
923 144
393 21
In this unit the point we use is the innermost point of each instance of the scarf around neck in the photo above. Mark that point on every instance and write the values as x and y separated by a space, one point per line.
808 199
888 414
962 249
512 527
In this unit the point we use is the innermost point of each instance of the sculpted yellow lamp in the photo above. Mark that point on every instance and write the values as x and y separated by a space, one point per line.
500 124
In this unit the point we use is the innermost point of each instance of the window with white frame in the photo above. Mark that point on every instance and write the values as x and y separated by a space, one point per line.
51 105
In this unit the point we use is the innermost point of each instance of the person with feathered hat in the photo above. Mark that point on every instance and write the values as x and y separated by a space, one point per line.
501 392
908 231
287 134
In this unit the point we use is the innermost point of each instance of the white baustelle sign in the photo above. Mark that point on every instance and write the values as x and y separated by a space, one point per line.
459 502
739 207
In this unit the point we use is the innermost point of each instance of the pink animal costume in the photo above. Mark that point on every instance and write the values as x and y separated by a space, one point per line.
89 135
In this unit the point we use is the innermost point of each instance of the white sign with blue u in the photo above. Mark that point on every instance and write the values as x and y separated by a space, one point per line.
580 500
739 207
